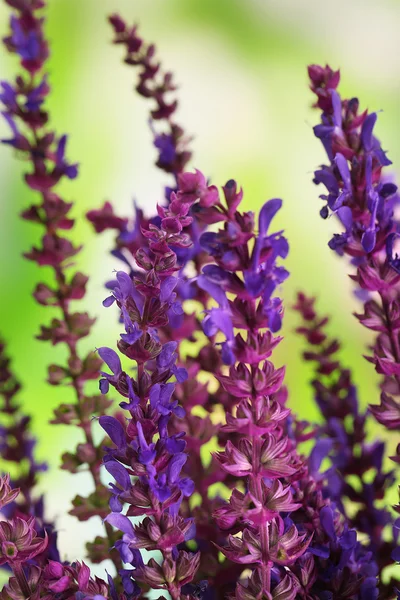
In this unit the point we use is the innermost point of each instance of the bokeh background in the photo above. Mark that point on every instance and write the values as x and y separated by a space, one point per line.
241 67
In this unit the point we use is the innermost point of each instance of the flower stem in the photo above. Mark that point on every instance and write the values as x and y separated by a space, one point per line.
22 580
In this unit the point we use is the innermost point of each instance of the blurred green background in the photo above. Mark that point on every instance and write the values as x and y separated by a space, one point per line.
241 68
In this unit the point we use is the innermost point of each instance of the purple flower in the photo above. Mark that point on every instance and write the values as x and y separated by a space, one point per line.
71 171
113 362
340 240
161 399
27 44
370 144
36 97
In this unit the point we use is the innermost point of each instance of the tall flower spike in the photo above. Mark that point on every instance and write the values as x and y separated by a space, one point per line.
343 436
355 181
45 153
143 445
192 393
372 232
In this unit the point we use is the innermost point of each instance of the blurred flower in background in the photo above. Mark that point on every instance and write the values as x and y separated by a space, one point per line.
241 66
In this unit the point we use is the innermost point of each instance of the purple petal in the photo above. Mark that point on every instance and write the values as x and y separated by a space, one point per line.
166 392
119 473
104 386
274 321
147 456
318 453
381 155
125 283
337 109
368 173
111 359
280 246
328 179
155 395
131 392
181 374
175 466
368 240
167 287
267 213
61 148
166 355
224 322
132 336
348 540
71 171
345 215
319 550
187 486
11 123
344 171
227 355
216 274
326 518
122 523
209 327
396 555
108 301
179 411
115 504
114 429
214 290
175 444
366 131
142 440
124 551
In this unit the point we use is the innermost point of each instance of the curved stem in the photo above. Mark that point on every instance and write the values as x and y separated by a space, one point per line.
22 580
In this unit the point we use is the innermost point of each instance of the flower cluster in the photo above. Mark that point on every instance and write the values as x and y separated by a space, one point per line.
144 446
211 492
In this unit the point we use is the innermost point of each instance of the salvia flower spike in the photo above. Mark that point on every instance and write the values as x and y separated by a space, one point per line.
288 530
45 154
143 446
363 198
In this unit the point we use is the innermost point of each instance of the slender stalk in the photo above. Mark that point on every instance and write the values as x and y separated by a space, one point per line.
22 580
